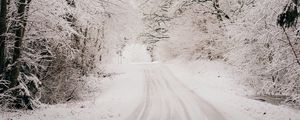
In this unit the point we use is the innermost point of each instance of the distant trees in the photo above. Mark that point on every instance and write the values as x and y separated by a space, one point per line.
216 8
193 29
157 27
161 19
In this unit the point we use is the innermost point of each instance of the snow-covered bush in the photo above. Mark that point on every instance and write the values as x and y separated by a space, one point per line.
64 43
262 49
191 29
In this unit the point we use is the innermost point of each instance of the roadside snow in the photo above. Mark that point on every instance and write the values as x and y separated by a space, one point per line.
219 84
215 82
119 96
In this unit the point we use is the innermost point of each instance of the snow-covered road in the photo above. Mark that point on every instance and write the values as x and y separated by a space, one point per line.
163 91
166 98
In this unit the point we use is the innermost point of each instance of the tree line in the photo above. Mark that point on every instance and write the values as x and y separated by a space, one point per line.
10 69
46 47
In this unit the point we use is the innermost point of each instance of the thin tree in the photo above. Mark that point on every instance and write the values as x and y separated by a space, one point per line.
288 19
3 29
14 73
23 7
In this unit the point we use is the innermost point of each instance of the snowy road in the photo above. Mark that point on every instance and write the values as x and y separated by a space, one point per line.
166 98
162 91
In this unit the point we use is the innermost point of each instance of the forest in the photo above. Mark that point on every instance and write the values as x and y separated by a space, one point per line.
58 52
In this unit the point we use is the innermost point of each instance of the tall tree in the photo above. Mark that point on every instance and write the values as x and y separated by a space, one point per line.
23 7
22 98
3 29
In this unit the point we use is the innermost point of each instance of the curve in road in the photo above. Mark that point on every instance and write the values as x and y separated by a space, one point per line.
166 98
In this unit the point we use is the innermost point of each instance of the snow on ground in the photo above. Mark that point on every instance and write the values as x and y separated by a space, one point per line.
122 95
219 84
117 98
135 53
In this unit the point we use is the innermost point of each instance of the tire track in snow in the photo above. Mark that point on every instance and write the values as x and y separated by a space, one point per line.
166 98
210 112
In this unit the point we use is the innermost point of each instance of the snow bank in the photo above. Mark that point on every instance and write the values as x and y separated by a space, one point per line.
219 84
118 98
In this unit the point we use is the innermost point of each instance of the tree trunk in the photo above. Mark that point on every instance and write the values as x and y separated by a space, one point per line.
3 29
292 46
23 99
19 35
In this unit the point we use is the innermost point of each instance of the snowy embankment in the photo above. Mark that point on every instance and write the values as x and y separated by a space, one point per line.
175 90
120 95
219 84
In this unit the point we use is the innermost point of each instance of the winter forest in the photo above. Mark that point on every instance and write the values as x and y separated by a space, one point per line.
149 60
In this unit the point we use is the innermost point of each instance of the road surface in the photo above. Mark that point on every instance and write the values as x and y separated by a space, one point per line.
166 98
